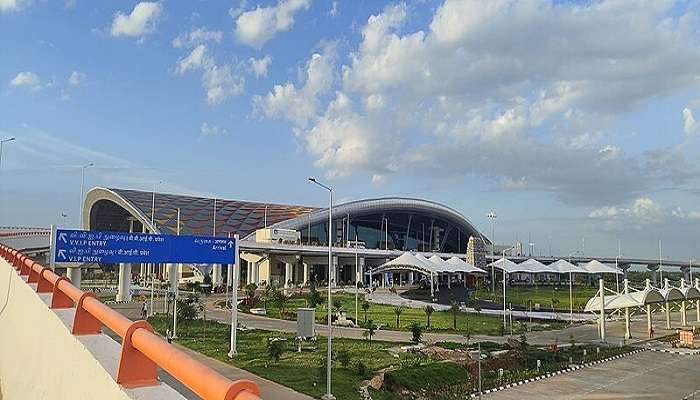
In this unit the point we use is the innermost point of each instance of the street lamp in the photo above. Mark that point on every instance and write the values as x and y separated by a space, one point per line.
64 216
82 189
571 287
328 395
690 270
492 216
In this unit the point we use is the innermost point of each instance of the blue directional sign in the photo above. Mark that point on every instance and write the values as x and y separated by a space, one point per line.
79 246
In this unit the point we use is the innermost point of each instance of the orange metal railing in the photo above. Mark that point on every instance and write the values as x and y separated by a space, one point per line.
142 350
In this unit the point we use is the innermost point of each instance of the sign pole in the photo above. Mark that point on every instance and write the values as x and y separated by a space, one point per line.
52 248
234 298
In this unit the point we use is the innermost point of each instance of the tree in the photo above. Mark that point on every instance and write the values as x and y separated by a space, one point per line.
314 297
454 309
280 300
275 349
398 310
343 357
365 307
416 331
187 308
428 312
337 304
268 294
250 290
371 330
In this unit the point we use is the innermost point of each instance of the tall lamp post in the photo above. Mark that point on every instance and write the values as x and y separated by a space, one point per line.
492 216
571 287
328 395
82 190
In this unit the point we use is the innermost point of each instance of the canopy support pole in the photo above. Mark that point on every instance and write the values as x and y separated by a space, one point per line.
628 333
684 315
432 291
668 307
697 302
649 325
601 288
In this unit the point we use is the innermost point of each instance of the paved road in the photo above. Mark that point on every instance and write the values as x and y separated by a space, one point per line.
646 375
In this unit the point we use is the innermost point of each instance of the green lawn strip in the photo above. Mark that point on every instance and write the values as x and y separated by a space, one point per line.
426 377
543 296
302 372
384 315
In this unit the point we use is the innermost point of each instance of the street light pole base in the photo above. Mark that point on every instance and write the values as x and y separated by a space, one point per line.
232 354
328 397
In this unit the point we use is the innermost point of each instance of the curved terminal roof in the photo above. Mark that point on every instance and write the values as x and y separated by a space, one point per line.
110 208
671 294
196 213
390 204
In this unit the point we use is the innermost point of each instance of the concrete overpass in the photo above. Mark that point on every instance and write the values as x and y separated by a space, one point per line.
53 346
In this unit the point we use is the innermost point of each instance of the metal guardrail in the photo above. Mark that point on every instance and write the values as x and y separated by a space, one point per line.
142 350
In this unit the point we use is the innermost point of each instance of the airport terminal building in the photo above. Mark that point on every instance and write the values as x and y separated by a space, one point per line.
287 244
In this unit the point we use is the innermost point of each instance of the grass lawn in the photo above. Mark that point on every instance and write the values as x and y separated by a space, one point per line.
304 372
384 315
543 296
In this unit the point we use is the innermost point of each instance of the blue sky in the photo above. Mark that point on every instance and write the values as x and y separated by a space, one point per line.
569 119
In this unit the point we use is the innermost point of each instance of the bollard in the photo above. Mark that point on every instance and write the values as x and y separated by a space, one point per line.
539 364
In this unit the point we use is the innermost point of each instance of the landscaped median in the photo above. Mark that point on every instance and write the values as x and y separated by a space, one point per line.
389 317
442 371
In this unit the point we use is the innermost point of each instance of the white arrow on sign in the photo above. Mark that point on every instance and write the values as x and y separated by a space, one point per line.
62 237
62 253
230 244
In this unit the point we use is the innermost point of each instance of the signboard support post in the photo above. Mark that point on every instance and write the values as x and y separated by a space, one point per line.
52 248
234 299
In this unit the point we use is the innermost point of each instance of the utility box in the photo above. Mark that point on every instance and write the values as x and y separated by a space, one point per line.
306 320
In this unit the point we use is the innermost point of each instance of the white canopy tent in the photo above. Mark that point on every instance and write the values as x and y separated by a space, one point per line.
565 267
597 267
465 266
506 265
533 266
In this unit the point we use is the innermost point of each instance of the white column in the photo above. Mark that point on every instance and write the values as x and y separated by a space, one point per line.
124 289
142 271
215 276
361 272
449 285
432 291
334 270
410 278
75 275
307 273
249 273
173 277
288 279
256 272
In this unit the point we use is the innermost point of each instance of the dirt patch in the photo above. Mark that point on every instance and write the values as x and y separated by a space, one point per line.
460 356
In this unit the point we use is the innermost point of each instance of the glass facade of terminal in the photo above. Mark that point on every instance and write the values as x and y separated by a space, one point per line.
406 231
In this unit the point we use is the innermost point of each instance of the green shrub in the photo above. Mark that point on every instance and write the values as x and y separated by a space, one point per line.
275 349
416 332
426 377
343 357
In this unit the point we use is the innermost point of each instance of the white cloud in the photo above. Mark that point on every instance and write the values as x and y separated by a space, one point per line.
140 22
260 65
219 81
487 79
196 37
256 27
689 124
12 5
76 78
334 9
211 130
300 104
643 211
26 79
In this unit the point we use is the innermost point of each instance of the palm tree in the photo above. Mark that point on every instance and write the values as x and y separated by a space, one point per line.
371 330
454 309
365 307
398 310
428 312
